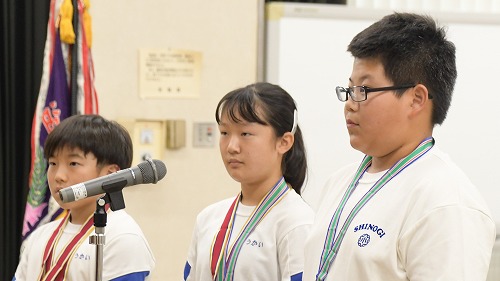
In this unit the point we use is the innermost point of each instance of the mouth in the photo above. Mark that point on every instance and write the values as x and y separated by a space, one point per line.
59 188
351 123
234 162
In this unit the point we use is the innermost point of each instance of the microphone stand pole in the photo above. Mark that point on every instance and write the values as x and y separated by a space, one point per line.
114 197
100 218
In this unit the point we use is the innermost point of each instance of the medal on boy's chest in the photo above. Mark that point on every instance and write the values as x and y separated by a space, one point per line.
54 268
335 233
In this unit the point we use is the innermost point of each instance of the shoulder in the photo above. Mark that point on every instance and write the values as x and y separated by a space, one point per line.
124 238
122 220
295 202
43 231
292 212
346 171
334 184
210 219
215 210
438 172
38 238
435 181
122 227
436 158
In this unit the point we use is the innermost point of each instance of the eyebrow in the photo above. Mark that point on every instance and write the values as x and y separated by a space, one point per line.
364 77
80 154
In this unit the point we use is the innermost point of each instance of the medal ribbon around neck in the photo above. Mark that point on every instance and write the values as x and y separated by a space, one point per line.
332 244
54 271
222 260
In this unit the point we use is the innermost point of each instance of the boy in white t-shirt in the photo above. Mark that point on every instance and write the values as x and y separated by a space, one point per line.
406 212
81 148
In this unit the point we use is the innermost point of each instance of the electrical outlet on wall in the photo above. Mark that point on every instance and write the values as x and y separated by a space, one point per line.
204 134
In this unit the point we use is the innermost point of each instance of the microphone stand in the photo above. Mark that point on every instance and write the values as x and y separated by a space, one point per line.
114 197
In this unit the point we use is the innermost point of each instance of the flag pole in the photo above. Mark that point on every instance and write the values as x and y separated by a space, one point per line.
74 60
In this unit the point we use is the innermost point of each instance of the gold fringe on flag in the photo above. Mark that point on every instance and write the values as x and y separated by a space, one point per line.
66 22
87 22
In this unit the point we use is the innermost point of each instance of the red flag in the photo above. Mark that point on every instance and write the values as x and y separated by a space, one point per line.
53 105
87 95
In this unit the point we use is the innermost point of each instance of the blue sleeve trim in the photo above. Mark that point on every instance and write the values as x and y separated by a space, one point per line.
136 276
187 269
296 277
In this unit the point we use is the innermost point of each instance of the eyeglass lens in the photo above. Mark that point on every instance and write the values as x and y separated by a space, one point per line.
356 93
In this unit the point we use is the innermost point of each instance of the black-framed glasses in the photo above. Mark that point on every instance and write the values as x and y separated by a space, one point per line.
360 93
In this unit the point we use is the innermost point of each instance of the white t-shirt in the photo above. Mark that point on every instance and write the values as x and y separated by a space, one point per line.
273 251
126 251
427 223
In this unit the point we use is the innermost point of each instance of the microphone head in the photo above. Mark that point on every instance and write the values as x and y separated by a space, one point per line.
152 170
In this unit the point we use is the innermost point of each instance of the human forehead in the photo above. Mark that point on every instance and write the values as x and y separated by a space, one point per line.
69 152
233 116
229 125
369 72
226 123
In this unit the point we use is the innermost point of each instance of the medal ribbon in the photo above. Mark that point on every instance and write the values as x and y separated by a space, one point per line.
222 238
332 244
54 271
224 262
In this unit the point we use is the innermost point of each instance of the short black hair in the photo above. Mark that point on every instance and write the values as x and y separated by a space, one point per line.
413 50
109 141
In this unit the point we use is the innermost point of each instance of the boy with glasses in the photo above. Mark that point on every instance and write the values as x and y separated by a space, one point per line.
406 212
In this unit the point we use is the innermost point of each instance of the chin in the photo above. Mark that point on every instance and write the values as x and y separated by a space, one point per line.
359 146
235 177
355 143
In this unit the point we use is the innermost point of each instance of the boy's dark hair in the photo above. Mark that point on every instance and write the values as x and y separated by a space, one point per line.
277 108
107 140
413 50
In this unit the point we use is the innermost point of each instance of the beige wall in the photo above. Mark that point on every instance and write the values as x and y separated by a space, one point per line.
226 32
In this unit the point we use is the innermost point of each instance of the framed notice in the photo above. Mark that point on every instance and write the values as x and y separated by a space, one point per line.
169 73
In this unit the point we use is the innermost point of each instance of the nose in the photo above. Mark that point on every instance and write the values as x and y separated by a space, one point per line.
350 105
233 145
59 174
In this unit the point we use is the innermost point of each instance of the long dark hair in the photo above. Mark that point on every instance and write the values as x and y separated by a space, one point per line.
277 109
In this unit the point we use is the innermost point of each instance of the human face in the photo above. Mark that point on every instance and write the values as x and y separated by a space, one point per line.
376 126
251 152
71 166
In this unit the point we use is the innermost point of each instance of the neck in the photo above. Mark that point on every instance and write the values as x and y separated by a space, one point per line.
80 215
385 162
252 194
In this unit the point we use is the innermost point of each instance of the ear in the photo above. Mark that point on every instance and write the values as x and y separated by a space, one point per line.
285 143
419 99
111 168
107 169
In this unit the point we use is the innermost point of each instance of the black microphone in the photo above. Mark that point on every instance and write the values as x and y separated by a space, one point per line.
149 171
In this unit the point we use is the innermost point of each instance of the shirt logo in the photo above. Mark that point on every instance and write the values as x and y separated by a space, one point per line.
363 240
368 226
